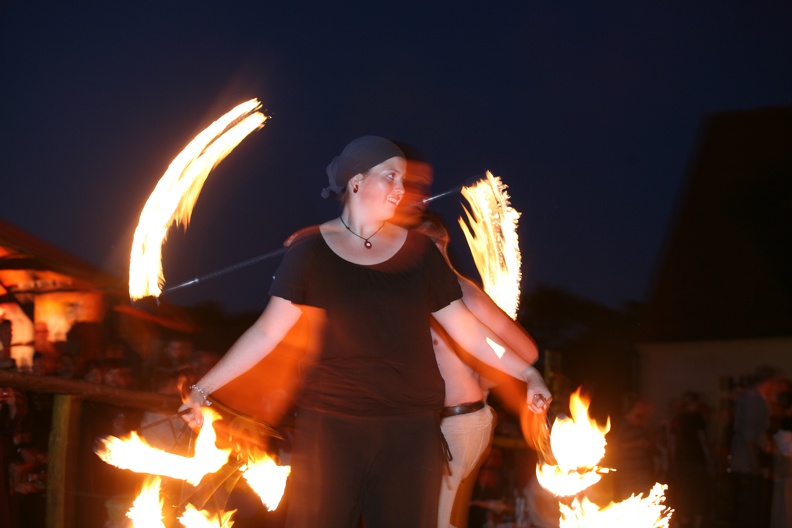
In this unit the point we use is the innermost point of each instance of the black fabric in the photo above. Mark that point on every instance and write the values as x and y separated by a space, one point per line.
385 470
357 157
376 356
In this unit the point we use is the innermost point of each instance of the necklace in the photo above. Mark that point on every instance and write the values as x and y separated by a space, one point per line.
364 239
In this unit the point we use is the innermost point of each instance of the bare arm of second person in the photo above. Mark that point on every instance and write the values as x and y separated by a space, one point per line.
476 338
254 345
489 313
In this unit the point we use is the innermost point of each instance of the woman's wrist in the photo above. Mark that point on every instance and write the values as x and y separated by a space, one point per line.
203 394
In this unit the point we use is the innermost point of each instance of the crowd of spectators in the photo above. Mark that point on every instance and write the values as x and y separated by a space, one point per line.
26 418
725 465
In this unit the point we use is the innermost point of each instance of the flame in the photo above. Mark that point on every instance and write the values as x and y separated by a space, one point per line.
262 474
194 518
175 195
267 479
493 241
146 511
578 445
578 442
137 455
633 512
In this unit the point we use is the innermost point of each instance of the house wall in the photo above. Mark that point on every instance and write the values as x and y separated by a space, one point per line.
60 310
54 315
669 369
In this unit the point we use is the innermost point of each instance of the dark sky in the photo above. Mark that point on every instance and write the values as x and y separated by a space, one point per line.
589 112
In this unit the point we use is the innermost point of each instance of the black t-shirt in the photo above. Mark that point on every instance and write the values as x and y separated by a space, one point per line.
375 355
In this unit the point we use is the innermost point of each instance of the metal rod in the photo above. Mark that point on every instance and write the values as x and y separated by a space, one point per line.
225 270
268 429
164 420
466 183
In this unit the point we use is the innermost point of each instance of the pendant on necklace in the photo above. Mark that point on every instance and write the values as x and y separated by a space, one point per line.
366 242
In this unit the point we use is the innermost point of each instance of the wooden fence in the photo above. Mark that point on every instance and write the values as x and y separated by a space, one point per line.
65 436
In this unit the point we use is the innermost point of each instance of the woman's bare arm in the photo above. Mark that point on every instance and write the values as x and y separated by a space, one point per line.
254 345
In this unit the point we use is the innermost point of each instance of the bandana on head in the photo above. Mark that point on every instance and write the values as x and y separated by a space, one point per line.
359 156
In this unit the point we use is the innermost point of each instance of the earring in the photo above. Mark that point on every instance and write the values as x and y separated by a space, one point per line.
355 188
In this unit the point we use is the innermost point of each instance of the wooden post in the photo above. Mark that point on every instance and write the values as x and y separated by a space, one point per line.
61 469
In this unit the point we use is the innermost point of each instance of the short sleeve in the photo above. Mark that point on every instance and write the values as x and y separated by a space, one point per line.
443 283
290 278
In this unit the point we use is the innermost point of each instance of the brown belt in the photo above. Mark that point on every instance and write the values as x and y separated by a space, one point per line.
462 408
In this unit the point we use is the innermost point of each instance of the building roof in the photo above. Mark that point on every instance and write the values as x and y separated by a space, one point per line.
726 272
29 267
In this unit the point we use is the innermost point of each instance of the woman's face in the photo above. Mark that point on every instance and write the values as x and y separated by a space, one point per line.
383 185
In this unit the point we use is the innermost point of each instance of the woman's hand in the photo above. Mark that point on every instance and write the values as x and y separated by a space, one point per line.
190 410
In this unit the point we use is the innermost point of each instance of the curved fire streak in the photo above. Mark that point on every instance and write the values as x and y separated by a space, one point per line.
175 195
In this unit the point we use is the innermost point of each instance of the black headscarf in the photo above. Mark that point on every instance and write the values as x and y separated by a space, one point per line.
357 157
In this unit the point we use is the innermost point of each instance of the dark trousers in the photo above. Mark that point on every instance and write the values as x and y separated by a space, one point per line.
385 470
751 496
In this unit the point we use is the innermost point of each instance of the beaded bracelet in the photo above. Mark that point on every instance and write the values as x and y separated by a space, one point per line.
203 394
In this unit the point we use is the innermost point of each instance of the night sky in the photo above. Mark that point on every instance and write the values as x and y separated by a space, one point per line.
589 112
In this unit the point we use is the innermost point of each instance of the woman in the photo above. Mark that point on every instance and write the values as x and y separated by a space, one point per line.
367 443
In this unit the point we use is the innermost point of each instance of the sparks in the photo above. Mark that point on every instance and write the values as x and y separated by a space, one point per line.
173 198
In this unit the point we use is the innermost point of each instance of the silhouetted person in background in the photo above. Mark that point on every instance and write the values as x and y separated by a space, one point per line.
692 464
9 426
631 448
6 361
751 452
781 508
